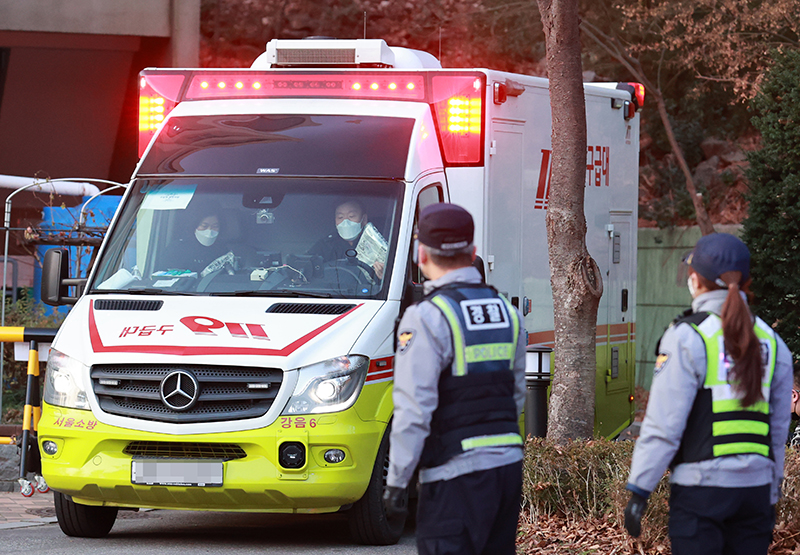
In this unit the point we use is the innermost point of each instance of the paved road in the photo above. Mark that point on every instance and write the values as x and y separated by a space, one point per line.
183 532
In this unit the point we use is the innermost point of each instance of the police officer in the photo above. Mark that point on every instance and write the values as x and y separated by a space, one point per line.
459 388
718 414
794 440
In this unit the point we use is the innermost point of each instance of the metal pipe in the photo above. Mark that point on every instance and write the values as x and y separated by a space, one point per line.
7 224
82 217
14 283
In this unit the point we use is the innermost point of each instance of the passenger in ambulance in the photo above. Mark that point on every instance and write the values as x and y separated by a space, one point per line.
200 245
350 219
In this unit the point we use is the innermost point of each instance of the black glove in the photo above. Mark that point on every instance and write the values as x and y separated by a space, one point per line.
394 501
633 514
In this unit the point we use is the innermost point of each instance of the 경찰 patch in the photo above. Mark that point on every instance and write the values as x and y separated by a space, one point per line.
404 340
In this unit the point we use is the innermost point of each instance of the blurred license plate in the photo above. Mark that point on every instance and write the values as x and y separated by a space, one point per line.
176 473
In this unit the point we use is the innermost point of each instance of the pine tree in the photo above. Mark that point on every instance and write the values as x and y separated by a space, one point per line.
772 230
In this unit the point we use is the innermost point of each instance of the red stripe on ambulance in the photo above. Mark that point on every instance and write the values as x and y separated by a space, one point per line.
183 350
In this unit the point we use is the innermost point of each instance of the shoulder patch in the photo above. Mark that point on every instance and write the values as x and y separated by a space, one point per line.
404 340
661 362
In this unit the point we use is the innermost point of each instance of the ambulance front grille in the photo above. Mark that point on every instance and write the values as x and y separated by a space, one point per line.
181 450
222 393
127 304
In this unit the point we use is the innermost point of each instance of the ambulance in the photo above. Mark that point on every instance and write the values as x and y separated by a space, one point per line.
232 348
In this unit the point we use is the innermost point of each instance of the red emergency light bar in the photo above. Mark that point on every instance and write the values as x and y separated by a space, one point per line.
259 85
457 99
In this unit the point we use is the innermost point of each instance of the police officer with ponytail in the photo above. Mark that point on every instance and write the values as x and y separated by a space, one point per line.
459 388
718 414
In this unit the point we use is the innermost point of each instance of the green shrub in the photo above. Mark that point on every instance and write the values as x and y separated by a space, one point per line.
24 313
585 480
772 229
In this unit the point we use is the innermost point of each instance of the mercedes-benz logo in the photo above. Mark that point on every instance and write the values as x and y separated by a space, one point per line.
179 390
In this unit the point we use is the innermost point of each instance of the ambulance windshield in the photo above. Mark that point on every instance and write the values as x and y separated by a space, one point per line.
268 236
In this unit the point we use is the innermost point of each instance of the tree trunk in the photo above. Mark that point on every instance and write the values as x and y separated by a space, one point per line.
706 227
574 275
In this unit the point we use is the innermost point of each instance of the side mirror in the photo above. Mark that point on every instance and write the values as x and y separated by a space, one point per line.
412 293
479 265
55 279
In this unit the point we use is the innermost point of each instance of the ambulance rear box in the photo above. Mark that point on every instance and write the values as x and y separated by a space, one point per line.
231 350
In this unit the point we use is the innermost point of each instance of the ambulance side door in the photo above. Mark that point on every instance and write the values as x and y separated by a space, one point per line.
504 208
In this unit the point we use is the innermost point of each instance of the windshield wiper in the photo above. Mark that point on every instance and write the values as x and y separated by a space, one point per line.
271 293
142 291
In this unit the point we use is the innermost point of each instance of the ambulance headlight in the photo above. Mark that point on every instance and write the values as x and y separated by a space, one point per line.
329 386
62 381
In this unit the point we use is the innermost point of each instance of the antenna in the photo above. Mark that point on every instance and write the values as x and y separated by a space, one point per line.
440 46
365 24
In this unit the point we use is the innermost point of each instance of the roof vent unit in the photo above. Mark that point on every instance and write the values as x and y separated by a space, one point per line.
329 53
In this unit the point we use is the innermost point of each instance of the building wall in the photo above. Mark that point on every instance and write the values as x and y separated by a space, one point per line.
661 292
68 100
98 17
62 103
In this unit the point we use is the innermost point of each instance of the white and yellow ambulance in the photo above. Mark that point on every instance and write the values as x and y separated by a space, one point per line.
256 375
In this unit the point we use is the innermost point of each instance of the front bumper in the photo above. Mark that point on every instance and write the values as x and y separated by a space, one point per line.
92 467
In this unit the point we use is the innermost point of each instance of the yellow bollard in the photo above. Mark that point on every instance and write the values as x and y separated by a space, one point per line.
31 399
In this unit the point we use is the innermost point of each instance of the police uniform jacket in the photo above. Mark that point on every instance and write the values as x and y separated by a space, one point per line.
679 375
421 358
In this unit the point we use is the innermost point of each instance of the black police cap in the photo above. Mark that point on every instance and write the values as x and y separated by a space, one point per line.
446 227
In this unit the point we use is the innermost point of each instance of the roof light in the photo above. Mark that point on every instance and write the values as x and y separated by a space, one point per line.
356 86
158 94
239 85
374 86
256 85
410 86
204 85
636 91
392 86
639 94
458 106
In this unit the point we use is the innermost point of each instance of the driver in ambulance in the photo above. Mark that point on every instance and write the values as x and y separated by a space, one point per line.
350 219
200 244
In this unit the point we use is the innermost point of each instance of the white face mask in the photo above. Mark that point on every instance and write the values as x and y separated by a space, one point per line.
348 229
692 289
206 237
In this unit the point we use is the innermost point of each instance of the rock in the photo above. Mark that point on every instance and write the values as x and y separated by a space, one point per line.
714 147
707 171
9 467
726 151
734 156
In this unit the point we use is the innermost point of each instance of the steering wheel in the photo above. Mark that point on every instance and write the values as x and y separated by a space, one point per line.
344 265
373 275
